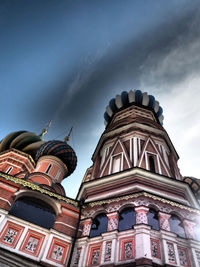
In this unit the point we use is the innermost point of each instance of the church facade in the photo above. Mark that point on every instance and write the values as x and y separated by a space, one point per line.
133 207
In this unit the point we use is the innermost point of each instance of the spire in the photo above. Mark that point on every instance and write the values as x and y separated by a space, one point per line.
45 130
67 137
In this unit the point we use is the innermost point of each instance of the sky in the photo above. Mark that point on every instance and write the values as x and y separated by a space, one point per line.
64 60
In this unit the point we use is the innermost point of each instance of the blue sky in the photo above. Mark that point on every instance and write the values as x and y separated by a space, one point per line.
64 60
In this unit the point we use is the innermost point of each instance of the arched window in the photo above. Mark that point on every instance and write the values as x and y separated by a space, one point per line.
153 219
176 226
99 225
34 210
127 219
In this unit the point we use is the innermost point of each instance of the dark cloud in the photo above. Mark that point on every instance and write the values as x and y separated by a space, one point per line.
101 76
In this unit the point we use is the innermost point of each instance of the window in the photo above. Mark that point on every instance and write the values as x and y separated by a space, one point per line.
99 225
153 219
127 219
48 169
152 164
34 210
176 226
116 163
9 170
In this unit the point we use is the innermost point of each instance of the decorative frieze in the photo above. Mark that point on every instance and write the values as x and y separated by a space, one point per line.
108 251
77 257
155 248
94 254
126 248
58 251
32 243
171 253
183 256
11 234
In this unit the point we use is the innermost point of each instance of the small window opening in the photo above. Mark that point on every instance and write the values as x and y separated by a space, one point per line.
116 165
9 170
152 164
48 169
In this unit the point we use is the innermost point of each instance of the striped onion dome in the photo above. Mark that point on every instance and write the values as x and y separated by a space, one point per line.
194 185
22 140
135 97
60 150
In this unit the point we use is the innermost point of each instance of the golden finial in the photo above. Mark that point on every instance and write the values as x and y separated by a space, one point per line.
67 137
44 131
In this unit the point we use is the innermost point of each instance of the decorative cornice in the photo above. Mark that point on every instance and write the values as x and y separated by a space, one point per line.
37 188
163 200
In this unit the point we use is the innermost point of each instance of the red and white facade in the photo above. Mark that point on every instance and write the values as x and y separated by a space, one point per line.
132 209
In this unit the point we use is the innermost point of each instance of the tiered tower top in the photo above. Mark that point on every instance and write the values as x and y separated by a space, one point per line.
136 98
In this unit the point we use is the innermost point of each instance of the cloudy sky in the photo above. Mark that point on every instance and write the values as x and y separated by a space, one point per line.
64 60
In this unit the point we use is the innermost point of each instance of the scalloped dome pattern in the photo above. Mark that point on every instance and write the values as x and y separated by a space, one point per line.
135 97
60 150
22 140
194 184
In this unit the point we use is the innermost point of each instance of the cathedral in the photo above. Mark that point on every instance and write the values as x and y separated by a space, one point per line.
133 207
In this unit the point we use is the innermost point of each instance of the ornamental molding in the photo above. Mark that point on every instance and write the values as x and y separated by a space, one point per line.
35 187
138 202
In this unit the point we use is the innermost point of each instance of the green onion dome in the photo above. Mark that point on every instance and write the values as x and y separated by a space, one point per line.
60 150
22 140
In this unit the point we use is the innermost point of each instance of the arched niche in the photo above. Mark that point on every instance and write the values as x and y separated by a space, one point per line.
153 219
176 226
127 218
35 208
99 225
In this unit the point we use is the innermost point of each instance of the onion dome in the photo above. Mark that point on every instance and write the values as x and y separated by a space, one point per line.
137 98
60 150
22 140
194 185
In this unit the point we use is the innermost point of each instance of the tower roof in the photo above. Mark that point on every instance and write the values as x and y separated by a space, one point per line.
25 141
60 150
137 98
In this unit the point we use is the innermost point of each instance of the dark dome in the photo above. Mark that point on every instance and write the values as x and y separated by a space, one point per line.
60 150
22 140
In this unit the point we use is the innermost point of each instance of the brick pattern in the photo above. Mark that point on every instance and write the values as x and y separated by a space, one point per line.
112 223
189 229
86 229
164 221
141 215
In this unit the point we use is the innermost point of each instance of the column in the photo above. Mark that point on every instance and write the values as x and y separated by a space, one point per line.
164 221
113 219
141 215
86 227
189 228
